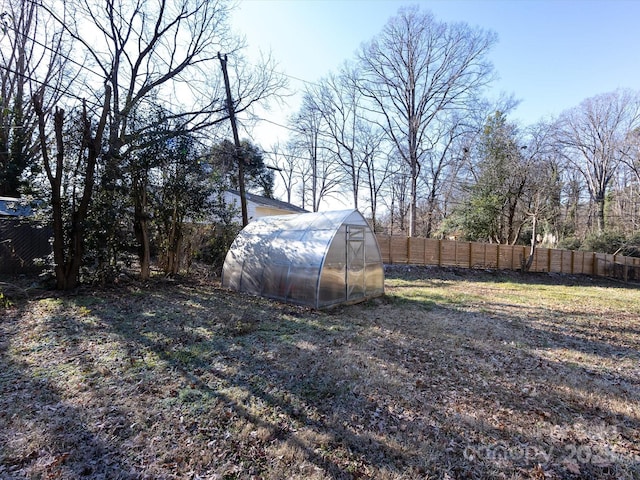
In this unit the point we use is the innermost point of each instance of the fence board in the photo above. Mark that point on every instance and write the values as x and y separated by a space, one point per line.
505 257
416 250
478 255
384 242
555 260
398 250
589 263
449 253
599 264
566 265
578 266
432 251
542 264
462 254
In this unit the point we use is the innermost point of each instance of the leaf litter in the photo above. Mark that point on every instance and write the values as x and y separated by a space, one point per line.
453 374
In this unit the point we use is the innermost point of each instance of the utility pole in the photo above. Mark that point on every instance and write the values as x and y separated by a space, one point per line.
236 140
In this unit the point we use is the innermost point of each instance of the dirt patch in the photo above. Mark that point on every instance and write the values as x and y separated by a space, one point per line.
450 375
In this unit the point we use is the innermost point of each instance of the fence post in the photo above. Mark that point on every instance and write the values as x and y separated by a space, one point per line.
572 262
424 251
455 254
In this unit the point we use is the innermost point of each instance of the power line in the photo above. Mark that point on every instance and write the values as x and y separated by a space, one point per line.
82 66
101 76
62 55
307 82
64 92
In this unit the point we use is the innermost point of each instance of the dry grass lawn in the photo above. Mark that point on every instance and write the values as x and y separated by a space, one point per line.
451 375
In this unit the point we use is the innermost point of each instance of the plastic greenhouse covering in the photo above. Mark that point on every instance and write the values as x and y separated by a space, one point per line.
316 259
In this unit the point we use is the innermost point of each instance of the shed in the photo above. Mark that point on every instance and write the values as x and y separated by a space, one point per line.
315 259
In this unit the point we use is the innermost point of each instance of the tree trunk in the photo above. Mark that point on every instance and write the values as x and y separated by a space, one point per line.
174 242
600 204
527 265
431 202
141 227
68 256
373 211
145 250
413 206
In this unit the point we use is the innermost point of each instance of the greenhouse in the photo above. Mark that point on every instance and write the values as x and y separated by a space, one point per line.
317 259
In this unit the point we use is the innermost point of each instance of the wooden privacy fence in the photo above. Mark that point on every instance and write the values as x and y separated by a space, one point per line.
451 253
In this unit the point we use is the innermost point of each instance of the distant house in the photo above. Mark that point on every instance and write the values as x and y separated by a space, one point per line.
258 207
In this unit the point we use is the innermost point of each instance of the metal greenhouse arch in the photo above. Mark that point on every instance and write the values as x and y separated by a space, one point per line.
316 259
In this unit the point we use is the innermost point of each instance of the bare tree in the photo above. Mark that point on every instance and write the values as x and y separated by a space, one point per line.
573 193
624 204
321 175
631 150
441 163
544 185
69 241
396 197
594 138
630 179
32 55
157 51
36 76
338 103
286 160
376 165
414 70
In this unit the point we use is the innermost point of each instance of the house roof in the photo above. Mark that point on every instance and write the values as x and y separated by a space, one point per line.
269 202
15 207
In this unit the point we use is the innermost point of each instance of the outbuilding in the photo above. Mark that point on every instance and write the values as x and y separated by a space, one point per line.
316 259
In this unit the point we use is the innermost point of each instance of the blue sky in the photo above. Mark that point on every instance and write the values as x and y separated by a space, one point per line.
551 54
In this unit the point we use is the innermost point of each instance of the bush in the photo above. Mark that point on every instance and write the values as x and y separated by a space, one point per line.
570 243
609 241
4 301
217 245
632 248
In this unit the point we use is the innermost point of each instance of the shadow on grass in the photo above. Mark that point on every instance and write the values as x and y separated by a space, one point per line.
274 386
224 373
498 369
43 432
203 382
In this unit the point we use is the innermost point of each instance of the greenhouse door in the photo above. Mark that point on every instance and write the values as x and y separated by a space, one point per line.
355 262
